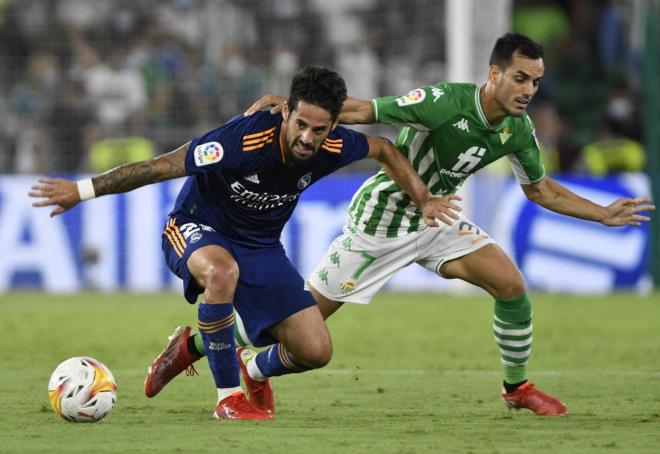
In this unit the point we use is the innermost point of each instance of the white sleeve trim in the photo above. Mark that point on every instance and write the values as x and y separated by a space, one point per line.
374 106
417 126
519 171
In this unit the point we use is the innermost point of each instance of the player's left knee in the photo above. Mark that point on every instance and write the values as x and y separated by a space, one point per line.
512 287
315 356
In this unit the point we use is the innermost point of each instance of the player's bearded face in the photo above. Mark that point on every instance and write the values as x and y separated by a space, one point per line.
517 84
306 127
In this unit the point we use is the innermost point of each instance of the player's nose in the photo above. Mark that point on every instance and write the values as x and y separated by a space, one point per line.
528 89
306 138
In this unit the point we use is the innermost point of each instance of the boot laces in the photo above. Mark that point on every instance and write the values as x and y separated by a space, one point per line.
190 371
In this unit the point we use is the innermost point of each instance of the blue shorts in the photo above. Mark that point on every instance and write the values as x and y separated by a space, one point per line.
269 288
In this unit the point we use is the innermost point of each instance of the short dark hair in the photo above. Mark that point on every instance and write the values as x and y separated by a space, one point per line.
320 86
506 45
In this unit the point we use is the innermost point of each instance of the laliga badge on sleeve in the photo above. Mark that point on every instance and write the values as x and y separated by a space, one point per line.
413 97
208 153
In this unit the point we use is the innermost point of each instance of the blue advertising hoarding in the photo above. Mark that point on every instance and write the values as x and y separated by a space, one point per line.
113 243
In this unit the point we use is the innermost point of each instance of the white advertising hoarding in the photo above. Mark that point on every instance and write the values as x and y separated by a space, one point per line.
113 243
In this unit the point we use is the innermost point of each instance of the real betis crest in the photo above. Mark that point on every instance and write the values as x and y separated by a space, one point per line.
504 135
346 287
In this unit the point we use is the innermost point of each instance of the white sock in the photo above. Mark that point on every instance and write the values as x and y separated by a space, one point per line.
223 393
253 371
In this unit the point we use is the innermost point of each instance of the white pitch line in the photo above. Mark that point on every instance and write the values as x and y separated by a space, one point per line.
454 372
340 372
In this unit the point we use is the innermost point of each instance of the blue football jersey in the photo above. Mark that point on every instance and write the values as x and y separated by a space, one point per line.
238 183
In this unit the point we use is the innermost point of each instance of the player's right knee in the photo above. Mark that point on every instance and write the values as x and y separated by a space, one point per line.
220 279
315 356
514 287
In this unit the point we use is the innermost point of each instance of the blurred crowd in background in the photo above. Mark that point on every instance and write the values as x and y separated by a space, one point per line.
88 84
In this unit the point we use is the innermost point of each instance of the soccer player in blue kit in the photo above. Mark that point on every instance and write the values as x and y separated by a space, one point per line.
223 236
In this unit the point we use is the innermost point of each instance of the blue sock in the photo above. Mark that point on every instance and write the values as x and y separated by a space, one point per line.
277 361
216 325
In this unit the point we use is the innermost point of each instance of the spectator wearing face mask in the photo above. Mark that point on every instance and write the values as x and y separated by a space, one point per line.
617 147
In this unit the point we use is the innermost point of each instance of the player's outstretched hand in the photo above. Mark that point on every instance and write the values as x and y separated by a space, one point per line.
273 101
626 212
441 209
55 191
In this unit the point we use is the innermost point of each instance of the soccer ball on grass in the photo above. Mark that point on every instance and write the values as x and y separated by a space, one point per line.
82 389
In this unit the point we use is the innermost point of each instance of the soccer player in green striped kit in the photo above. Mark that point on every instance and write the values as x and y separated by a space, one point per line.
451 131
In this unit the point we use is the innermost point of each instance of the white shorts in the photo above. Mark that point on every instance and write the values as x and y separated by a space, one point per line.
357 265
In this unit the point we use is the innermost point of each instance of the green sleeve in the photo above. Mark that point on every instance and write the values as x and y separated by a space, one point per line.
422 108
526 162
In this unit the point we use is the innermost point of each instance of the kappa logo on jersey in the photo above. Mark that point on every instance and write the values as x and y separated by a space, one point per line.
469 159
462 124
412 97
252 178
304 181
437 92
208 153
323 275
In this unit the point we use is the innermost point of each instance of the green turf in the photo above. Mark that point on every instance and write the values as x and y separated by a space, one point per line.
409 374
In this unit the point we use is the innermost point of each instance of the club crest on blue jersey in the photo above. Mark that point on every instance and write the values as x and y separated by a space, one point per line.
239 184
304 181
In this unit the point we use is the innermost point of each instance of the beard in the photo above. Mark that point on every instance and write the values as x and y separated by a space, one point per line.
295 159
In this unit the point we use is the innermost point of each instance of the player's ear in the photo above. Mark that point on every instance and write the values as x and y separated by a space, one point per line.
285 111
334 124
494 73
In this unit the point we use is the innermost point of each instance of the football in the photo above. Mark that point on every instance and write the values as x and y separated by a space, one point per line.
82 389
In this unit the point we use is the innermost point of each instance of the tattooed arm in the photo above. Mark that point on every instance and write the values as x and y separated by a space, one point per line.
132 176
65 194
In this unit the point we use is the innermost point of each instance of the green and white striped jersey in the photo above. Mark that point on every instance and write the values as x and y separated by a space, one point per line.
446 138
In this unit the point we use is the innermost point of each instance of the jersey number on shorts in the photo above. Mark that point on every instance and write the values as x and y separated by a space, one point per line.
368 260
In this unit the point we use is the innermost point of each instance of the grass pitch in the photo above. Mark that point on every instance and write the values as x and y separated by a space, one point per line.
410 374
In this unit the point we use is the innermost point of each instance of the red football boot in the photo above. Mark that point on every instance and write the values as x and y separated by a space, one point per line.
260 393
237 406
527 396
171 362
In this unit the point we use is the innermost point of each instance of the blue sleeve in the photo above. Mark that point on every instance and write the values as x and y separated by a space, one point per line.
219 149
350 145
